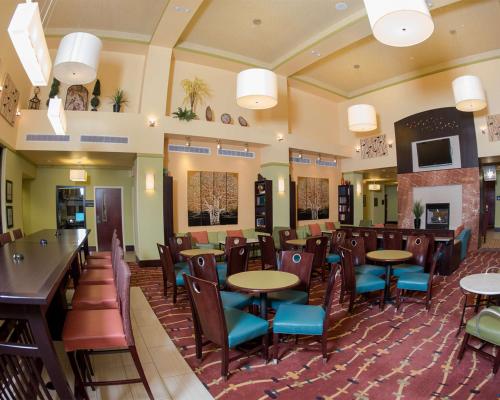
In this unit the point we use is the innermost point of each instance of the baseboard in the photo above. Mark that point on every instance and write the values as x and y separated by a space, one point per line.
497 229
147 263
92 248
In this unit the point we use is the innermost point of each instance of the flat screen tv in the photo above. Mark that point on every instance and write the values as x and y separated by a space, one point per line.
434 152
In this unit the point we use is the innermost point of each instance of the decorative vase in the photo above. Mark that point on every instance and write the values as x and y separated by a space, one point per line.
116 107
416 223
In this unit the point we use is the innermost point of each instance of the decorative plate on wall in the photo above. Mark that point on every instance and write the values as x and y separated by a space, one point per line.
226 118
242 121
209 115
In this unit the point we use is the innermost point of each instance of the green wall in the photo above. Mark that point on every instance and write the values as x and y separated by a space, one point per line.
281 201
357 182
392 202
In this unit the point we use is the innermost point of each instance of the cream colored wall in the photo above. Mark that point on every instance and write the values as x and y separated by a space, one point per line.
42 191
357 183
334 176
392 202
408 98
247 170
372 212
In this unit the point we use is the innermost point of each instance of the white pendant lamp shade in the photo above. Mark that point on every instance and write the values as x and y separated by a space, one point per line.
469 93
257 89
26 33
77 58
57 116
399 23
362 118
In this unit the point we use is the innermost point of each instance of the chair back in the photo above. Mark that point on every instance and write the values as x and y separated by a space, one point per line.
123 289
232 241
348 274
5 238
318 246
177 244
287 234
237 261
435 258
167 265
393 240
357 247
300 264
267 252
370 239
418 245
431 249
337 240
204 267
206 306
18 234
329 295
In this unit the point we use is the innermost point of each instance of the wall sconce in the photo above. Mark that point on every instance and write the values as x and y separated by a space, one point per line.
357 148
280 137
246 147
390 143
188 141
18 113
150 182
152 122
219 146
483 129
281 185
300 155
1 88
319 157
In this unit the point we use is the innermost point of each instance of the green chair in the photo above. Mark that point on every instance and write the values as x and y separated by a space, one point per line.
303 319
486 327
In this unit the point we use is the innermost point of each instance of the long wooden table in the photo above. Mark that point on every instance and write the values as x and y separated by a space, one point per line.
32 289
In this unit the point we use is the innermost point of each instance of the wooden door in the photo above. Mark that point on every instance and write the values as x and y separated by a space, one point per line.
108 216
489 202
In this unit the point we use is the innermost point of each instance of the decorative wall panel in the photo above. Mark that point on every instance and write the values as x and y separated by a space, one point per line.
493 122
373 147
313 199
9 100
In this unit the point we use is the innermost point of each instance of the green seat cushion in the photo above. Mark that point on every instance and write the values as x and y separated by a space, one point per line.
235 299
401 269
376 270
368 283
205 245
179 279
213 237
221 236
242 326
489 327
297 319
302 232
414 281
332 258
250 233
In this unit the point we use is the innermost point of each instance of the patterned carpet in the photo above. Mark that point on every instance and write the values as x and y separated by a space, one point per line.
407 355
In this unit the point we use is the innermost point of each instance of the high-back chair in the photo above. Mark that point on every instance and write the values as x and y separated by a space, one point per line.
102 276
237 260
176 244
268 255
357 247
172 275
104 254
393 240
355 284
221 325
318 246
417 245
300 319
101 261
337 240
97 330
18 234
418 281
232 241
370 239
287 234
5 238
431 249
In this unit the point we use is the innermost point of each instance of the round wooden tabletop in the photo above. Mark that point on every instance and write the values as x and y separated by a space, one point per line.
389 255
199 252
296 242
485 284
263 281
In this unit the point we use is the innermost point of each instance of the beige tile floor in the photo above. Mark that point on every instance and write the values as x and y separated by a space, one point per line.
169 376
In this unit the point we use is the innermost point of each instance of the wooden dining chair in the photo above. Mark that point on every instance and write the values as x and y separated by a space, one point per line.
108 330
303 319
370 239
392 240
232 241
237 260
5 238
176 244
225 327
172 275
318 246
416 245
18 233
268 254
357 247
287 234
102 276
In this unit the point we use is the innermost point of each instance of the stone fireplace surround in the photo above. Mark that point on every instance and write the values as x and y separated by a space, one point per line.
467 177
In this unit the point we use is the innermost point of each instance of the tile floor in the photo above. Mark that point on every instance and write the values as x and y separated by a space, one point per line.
168 374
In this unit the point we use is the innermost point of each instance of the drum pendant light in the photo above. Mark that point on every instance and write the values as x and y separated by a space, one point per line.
257 89
77 58
362 118
469 94
399 23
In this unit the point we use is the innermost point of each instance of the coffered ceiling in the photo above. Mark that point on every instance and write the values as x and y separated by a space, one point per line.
80 158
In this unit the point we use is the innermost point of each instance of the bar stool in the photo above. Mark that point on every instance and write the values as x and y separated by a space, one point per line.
102 276
100 255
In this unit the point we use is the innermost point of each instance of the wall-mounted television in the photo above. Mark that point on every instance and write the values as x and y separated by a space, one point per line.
436 154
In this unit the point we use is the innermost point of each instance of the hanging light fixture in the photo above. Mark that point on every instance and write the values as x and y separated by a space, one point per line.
399 23
77 58
362 118
469 94
57 116
257 89
26 33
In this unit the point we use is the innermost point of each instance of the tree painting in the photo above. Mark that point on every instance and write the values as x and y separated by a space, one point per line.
212 198
313 198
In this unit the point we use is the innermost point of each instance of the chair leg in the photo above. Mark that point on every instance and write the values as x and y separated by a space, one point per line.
165 288
323 274
324 350
225 363
80 392
199 345
382 299
496 363
265 346
462 316
463 346
398 298
352 297
276 343
140 370
174 290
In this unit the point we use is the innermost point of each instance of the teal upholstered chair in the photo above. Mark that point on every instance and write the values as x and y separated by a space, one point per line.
318 245
357 246
418 246
176 245
486 327
204 267
464 238
418 282
302 319
172 274
230 242
355 284
336 241
225 327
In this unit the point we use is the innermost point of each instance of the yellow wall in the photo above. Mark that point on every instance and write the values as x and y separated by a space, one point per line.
42 192
392 202
371 212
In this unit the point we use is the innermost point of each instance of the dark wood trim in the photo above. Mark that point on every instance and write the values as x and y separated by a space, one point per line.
168 206
147 263
293 204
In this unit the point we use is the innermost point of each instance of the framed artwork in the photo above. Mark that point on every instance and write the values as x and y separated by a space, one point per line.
212 198
77 98
9 212
9 100
8 191
313 198
372 147
493 122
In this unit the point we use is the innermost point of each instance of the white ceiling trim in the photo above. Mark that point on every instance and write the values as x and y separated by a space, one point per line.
102 34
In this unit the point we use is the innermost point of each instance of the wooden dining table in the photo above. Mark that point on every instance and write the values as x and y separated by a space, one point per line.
33 273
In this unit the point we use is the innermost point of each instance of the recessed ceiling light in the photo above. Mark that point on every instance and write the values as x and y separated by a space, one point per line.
356 66
341 6
316 53
256 21
181 9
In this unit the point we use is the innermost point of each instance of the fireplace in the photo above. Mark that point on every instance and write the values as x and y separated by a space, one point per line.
437 215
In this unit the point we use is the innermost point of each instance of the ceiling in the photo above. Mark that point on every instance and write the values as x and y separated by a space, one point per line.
387 175
80 158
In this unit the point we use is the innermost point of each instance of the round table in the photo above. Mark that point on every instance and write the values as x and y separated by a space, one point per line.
199 252
262 282
388 257
297 242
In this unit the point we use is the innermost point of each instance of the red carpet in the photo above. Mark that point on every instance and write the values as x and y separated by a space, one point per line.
407 355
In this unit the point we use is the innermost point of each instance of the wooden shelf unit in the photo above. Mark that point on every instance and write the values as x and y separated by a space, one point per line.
264 206
346 204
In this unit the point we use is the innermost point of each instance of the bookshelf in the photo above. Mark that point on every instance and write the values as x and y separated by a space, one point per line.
346 204
264 206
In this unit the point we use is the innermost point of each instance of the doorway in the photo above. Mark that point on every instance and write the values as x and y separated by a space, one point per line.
108 215
489 203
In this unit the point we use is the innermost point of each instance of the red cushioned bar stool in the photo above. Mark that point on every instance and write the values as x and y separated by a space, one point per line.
102 276
103 255
103 262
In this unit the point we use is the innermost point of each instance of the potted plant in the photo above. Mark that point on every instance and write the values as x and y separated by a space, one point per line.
195 91
94 102
418 210
118 99
54 90
184 114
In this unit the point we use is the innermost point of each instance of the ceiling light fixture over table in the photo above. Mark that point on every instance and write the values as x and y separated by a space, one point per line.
469 94
257 89
399 23
362 118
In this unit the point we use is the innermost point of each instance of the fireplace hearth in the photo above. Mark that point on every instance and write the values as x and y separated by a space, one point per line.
437 215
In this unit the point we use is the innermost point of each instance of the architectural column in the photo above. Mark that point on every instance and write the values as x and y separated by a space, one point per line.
356 180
